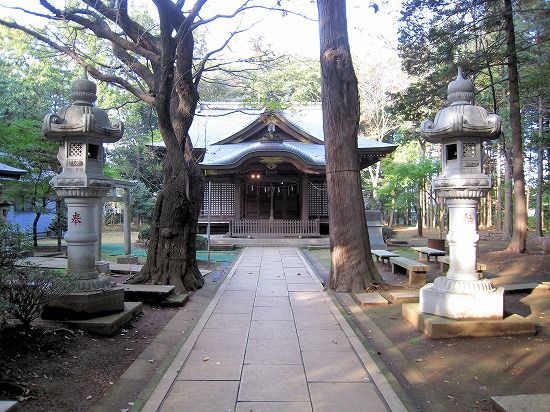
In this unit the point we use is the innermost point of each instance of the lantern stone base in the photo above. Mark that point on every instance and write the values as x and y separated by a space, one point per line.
85 305
109 324
476 299
438 327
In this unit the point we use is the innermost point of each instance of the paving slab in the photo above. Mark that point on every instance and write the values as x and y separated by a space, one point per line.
522 403
520 288
370 299
402 297
9 406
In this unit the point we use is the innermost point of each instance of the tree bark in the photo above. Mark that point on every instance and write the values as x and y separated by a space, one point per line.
540 160
171 257
352 268
518 242
498 213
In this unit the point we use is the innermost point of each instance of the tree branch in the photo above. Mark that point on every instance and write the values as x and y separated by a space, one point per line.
117 80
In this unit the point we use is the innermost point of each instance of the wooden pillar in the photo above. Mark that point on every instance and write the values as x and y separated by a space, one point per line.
305 198
237 211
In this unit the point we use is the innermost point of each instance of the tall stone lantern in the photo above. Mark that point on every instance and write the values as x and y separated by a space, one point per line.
461 129
82 129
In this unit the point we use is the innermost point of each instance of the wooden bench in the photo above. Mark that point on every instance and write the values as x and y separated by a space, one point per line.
444 264
429 252
384 255
415 270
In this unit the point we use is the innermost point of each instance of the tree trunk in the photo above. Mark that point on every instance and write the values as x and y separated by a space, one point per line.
518 242
352 268
34 228
171 253
508 198
498 213
540 160
171 257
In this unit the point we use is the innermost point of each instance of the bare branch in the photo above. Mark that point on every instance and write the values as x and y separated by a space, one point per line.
140 36
146 97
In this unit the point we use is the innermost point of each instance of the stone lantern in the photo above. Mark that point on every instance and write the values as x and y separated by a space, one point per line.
461 129
82 129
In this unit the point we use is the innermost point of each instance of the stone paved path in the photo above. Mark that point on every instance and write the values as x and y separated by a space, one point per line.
272 340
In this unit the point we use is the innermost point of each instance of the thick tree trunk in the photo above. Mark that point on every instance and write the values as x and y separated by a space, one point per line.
518 242
352 268
171 254
171 258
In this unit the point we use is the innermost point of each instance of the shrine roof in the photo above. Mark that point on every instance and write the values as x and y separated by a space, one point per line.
11 172
228 133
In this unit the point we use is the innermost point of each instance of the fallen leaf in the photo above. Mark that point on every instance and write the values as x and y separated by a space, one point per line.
418 360
206 359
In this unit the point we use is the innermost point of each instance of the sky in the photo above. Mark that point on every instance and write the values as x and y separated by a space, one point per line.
299 35
286 34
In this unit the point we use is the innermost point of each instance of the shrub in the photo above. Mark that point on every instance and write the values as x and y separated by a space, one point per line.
388 233
144 234
201 243
24 290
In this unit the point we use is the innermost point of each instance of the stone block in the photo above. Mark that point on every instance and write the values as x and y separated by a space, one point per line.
402 297
85 305
130 259
102 266
369 299
438 327
110 324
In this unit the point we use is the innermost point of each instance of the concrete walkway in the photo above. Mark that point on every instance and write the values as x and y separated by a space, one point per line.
272 340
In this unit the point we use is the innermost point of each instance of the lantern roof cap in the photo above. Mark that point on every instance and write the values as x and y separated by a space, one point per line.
460 90
83 90
462 118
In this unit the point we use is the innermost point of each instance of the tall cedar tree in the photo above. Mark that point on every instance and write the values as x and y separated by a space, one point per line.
518 243
352 268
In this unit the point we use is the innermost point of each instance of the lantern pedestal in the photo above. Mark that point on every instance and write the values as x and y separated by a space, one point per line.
458 299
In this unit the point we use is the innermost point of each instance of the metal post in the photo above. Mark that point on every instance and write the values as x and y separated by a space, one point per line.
127 223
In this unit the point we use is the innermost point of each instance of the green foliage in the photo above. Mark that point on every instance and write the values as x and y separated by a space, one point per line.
144 234
143 203
24 147
14 244
25 289
277 83
405 174
201 243
63 220
388 233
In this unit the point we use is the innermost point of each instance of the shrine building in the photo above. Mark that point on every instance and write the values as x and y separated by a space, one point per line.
265 170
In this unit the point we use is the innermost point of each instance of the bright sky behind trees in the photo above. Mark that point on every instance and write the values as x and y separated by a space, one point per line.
286 34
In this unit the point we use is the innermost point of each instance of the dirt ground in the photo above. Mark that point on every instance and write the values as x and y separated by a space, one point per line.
462 374
53 368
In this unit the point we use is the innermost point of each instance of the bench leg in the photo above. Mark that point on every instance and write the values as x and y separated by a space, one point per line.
417 278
